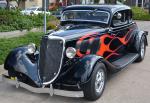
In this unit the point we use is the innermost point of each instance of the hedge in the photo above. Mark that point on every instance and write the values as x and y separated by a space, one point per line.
140 14
11 20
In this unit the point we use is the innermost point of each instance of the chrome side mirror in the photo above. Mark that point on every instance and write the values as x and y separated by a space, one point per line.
118 15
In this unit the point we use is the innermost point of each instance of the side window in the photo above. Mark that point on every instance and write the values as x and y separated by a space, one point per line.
120 18
130 16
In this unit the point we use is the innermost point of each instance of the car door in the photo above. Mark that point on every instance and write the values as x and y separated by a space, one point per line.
114 43
39 10
120 34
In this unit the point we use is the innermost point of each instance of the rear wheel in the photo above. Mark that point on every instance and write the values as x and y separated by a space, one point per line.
142 49
94 88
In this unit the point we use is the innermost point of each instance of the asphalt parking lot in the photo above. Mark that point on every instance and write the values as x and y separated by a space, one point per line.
131 85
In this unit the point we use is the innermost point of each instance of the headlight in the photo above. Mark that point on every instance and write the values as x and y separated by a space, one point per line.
31 48
70 52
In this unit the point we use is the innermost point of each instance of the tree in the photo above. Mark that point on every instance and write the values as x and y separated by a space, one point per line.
17 1
110 1
96 1
7 7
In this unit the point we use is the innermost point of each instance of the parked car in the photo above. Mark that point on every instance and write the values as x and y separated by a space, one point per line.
34 10
57 13
147 5
3 5
74 59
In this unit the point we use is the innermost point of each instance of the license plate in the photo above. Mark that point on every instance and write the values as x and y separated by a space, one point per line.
13 78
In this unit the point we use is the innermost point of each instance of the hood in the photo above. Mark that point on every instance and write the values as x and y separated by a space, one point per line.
76 33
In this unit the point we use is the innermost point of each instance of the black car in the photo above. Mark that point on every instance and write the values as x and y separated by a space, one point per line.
74 59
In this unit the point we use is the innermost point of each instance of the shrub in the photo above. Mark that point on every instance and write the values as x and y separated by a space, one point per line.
52 23
6 45
13 20
50 26
5 28
140 14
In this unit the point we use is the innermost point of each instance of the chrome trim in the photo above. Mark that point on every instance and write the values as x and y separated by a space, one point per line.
87 20
100 81
50 90
59 38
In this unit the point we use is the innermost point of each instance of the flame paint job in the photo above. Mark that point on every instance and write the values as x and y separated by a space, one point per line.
103 47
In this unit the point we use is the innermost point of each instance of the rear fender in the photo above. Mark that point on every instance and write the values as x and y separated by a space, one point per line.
85 68
18 61
138 39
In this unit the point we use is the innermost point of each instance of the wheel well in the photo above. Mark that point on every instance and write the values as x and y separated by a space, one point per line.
134 45
100 62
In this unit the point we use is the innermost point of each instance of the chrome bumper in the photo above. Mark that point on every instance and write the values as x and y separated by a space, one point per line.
50 90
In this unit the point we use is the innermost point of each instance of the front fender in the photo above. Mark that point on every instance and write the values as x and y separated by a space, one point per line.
13 57
85 68
18 61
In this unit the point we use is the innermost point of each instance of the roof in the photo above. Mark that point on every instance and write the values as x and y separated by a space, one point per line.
109 8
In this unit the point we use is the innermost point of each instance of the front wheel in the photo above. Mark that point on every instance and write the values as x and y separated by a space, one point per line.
142 50
94 88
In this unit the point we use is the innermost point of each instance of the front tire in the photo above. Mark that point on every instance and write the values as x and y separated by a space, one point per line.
142 50
94 88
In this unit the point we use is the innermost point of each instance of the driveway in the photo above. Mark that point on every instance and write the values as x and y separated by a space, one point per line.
131 85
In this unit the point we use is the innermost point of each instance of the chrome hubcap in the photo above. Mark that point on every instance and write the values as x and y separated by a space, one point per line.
142 49
99 82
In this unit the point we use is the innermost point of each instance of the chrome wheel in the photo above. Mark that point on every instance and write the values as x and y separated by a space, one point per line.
142 49
94 88
100 81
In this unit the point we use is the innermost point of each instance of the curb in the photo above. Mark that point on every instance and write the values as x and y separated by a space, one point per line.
17 33
2 71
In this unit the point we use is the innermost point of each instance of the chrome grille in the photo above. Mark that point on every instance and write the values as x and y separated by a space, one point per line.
51 58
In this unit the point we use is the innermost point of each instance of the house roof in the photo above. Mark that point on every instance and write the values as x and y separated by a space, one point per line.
109 8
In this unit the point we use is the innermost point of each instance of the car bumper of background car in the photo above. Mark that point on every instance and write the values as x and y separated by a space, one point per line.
50 90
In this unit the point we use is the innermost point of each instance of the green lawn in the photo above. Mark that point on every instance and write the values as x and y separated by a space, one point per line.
6 45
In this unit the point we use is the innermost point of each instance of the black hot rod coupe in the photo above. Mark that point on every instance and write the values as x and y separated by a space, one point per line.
74 59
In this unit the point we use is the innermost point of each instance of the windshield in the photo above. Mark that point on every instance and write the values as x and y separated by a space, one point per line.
31 9
86 15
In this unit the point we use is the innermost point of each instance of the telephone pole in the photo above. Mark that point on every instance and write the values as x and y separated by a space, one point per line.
45 5
45 16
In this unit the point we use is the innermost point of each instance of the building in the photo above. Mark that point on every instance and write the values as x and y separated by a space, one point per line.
73 2
91 2
54 3
29 3
139 3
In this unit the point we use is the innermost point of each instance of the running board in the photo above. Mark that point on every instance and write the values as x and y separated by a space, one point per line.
122 62
125 60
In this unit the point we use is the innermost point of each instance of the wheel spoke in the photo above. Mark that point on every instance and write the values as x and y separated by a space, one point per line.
142 49
99 82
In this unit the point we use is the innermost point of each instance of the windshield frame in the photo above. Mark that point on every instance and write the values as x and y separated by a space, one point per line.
107 22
